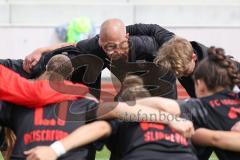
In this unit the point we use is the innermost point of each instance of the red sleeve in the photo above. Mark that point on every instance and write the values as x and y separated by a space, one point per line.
32 94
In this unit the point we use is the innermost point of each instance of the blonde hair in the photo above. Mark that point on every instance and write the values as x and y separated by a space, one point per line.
175 55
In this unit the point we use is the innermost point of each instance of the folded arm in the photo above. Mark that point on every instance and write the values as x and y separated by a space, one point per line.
153 30
32 59
161 104
80 137
138 113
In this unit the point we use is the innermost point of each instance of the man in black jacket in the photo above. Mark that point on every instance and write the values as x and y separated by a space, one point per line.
112 48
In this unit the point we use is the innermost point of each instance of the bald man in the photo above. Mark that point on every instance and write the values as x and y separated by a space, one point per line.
113 43
113 39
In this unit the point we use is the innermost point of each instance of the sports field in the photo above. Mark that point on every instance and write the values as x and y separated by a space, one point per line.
104 155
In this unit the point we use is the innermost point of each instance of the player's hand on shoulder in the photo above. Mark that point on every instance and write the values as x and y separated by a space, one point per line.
182 126
32 59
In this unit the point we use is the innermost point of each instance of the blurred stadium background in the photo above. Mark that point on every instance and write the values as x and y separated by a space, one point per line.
28 24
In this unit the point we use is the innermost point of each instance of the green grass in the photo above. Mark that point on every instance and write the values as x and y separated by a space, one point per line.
1 158
213 157
104 155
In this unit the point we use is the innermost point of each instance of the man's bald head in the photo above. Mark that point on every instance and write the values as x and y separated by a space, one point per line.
112 30
114 39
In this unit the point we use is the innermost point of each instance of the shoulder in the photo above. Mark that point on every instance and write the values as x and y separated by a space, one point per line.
144 44
89 44
190 102
142 38
190 105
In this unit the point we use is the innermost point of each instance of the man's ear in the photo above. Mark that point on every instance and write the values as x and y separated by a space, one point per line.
127 35
194 56
100 42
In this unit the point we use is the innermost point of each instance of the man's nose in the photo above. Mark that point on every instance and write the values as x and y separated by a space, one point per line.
116 51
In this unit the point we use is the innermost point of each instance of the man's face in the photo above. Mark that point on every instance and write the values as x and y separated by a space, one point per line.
116 49
190 66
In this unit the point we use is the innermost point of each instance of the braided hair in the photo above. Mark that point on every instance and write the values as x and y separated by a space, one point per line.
217 70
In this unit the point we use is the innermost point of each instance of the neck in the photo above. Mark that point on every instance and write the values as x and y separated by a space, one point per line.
218 89
44 76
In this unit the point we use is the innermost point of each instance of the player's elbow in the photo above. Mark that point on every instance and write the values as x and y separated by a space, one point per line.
216 140
104 128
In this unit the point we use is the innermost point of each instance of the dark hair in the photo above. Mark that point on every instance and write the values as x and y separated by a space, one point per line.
133 93
10 140
132 81
217 70
133 89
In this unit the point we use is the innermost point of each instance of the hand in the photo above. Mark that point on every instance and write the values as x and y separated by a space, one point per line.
182 126
41 153
236 127
32 59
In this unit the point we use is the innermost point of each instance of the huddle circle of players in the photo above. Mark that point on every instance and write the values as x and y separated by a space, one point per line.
62 113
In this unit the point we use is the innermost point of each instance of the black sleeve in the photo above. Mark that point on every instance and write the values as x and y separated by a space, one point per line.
5 113
114 139
159 33
188 85
144 47
109 141
115 125
15 65
194 110
88 45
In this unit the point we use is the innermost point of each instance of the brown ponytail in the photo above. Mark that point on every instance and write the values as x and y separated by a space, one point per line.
133 88
217 70
10 139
